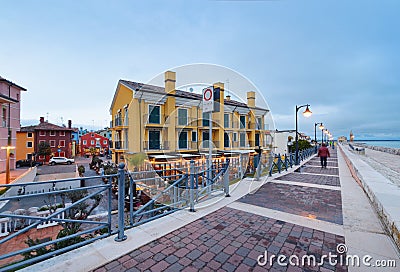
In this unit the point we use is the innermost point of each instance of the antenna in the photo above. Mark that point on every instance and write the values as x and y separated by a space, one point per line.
47 116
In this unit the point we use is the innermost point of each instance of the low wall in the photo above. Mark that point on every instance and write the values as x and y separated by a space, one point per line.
383 194
28 176
394 151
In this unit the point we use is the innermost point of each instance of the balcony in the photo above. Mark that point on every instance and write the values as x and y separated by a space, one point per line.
186 122
205 123
188 145
205 144
119 123
155 145
155 120
121 145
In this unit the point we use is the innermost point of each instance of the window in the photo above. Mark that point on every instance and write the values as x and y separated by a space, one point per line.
41 141
62 143
194 136
91 142
206 138
259 123
206 119
104 142
242 121
257 142
183 143
29 144
41 157
226 139
84 142
52 143
226 120
30 135
52 133
29 156
235 137
154 114
92 135
42 133
182 117
4 120
242 139
154 139
62 133
126 115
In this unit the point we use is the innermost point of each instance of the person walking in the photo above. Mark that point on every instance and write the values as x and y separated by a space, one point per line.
323 153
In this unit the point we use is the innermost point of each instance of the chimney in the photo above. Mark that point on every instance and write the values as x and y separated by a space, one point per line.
170 79
41 119
69 124
228 97
251 99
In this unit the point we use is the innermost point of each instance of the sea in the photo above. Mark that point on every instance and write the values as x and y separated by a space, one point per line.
385 143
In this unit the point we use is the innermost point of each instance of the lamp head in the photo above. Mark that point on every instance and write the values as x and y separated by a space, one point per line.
321 126
307 113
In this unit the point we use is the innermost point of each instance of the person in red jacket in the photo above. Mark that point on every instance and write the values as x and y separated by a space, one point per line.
323 153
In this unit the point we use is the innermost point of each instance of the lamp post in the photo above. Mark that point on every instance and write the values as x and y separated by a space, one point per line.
321 126
307 113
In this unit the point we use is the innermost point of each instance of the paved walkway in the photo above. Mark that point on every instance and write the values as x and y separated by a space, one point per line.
306 215
14 174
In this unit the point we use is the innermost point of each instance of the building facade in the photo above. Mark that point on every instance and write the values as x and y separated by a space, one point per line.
10 97
25 144
158 120
58 137
93 142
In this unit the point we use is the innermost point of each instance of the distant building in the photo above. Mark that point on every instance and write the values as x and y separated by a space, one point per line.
106 132
58 137
25 144
342 139
94 141
10 97
282 140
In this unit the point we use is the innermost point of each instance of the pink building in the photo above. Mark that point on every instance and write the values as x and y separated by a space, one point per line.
10 96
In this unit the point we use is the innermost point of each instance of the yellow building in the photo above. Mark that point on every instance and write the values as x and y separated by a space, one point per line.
162 120
25 146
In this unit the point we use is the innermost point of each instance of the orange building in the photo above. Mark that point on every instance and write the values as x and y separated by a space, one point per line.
25 146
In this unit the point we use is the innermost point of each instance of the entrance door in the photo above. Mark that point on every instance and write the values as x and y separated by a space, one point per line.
154 139
183 140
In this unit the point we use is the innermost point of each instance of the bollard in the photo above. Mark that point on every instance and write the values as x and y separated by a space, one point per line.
121 197
226 179
191 209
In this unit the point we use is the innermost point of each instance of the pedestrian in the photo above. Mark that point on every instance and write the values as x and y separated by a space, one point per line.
323 153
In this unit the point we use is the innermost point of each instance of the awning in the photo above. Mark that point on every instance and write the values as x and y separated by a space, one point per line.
239 151
160 157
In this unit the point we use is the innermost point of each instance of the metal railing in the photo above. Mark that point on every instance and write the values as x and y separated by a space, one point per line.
283 162
70 206
156 145
70 217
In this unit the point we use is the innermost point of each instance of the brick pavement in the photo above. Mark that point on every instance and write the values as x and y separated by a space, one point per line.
230 240
314 179
322 204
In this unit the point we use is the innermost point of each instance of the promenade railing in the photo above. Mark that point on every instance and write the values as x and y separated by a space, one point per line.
79 214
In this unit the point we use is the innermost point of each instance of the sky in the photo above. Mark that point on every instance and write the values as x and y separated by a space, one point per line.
341 57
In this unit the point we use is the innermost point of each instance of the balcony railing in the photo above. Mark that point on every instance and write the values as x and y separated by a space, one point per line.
189 121
120 145
155 119
205 144
205 122
188 145
119 122
156 145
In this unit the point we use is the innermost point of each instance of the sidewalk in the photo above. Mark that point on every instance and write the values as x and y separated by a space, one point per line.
307 213
14 174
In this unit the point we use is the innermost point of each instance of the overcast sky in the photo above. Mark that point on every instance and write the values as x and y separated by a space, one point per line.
342 57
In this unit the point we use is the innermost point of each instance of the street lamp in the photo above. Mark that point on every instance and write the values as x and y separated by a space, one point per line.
321 126
8 149
307 113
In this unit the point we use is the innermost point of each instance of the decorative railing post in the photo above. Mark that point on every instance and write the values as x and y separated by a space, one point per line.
121 197
191 192
226 179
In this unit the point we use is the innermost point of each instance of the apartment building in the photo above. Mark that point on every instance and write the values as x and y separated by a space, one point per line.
10 97
162 120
